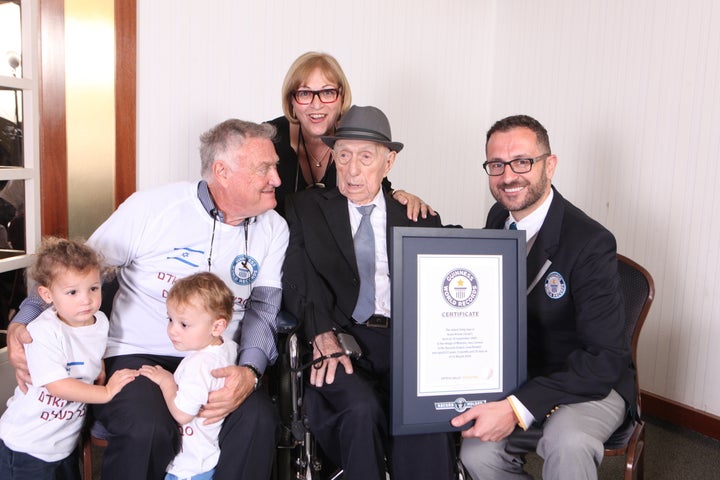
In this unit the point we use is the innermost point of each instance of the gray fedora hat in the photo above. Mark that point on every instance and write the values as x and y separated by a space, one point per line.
364 123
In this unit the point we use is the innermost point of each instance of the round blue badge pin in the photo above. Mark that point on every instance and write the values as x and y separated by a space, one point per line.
555 285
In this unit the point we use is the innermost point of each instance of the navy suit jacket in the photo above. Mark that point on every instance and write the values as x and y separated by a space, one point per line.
320 277
577 346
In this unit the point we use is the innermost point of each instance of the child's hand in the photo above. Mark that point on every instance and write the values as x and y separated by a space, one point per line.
119 379
156 373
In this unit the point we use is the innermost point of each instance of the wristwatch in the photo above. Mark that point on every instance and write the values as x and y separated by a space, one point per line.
256 372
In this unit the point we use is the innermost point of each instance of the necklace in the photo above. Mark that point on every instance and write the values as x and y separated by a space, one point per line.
318 163
309 155
316 182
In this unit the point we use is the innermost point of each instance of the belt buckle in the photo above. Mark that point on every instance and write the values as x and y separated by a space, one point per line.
378 321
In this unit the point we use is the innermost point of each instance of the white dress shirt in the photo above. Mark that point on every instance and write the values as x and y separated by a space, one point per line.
531 224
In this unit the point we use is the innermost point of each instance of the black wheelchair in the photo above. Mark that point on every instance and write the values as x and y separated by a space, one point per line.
298 456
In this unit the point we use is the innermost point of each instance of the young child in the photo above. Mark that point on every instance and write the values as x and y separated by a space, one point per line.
199 308
40 428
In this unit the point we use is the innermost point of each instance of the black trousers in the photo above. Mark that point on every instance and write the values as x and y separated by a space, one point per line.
22 466
144 437
349 419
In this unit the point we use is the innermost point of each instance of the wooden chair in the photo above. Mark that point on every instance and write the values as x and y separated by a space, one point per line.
629 439
639 290
95 436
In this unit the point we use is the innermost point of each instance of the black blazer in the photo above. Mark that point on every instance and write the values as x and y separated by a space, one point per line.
320 277
577 346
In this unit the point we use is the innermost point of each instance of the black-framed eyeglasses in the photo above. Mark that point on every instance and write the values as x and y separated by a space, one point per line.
495 168
326 95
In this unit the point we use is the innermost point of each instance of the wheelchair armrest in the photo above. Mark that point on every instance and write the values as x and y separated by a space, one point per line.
286 322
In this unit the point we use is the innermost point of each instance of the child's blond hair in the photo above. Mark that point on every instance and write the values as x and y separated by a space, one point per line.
209 289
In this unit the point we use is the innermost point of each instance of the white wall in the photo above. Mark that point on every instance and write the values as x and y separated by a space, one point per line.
199 64
627 89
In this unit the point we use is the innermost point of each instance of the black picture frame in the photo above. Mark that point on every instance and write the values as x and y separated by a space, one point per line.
414 411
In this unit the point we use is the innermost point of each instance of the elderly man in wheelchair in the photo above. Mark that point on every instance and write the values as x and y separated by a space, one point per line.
339 288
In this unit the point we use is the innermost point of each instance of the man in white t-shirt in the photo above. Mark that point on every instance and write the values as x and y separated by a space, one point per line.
225 223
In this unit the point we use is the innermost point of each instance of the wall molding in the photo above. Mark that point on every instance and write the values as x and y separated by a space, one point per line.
680 415
52 129
125 98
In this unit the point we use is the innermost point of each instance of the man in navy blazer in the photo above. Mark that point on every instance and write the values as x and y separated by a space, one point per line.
347 400
580 383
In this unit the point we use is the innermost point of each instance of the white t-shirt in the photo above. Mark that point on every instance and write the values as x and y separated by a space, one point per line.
165 233
200 449
38 423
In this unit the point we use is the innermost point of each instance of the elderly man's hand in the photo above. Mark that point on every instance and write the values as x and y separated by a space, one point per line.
414 204
239 384
324 371
17 337
493 421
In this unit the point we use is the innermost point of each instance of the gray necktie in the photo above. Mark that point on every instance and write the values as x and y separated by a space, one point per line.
364 241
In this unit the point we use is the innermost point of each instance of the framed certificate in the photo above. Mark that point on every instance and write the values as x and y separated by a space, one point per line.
458 323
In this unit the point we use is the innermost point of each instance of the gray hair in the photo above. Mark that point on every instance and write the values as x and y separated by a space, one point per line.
222 136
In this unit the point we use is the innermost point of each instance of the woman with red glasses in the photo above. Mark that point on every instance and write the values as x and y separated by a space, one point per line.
315 94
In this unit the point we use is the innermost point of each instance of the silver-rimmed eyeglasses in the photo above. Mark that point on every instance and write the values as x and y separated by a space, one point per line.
495 168
326 95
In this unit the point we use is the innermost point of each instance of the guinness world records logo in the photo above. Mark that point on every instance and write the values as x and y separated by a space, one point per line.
460 288
459 404
555 285
244 270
